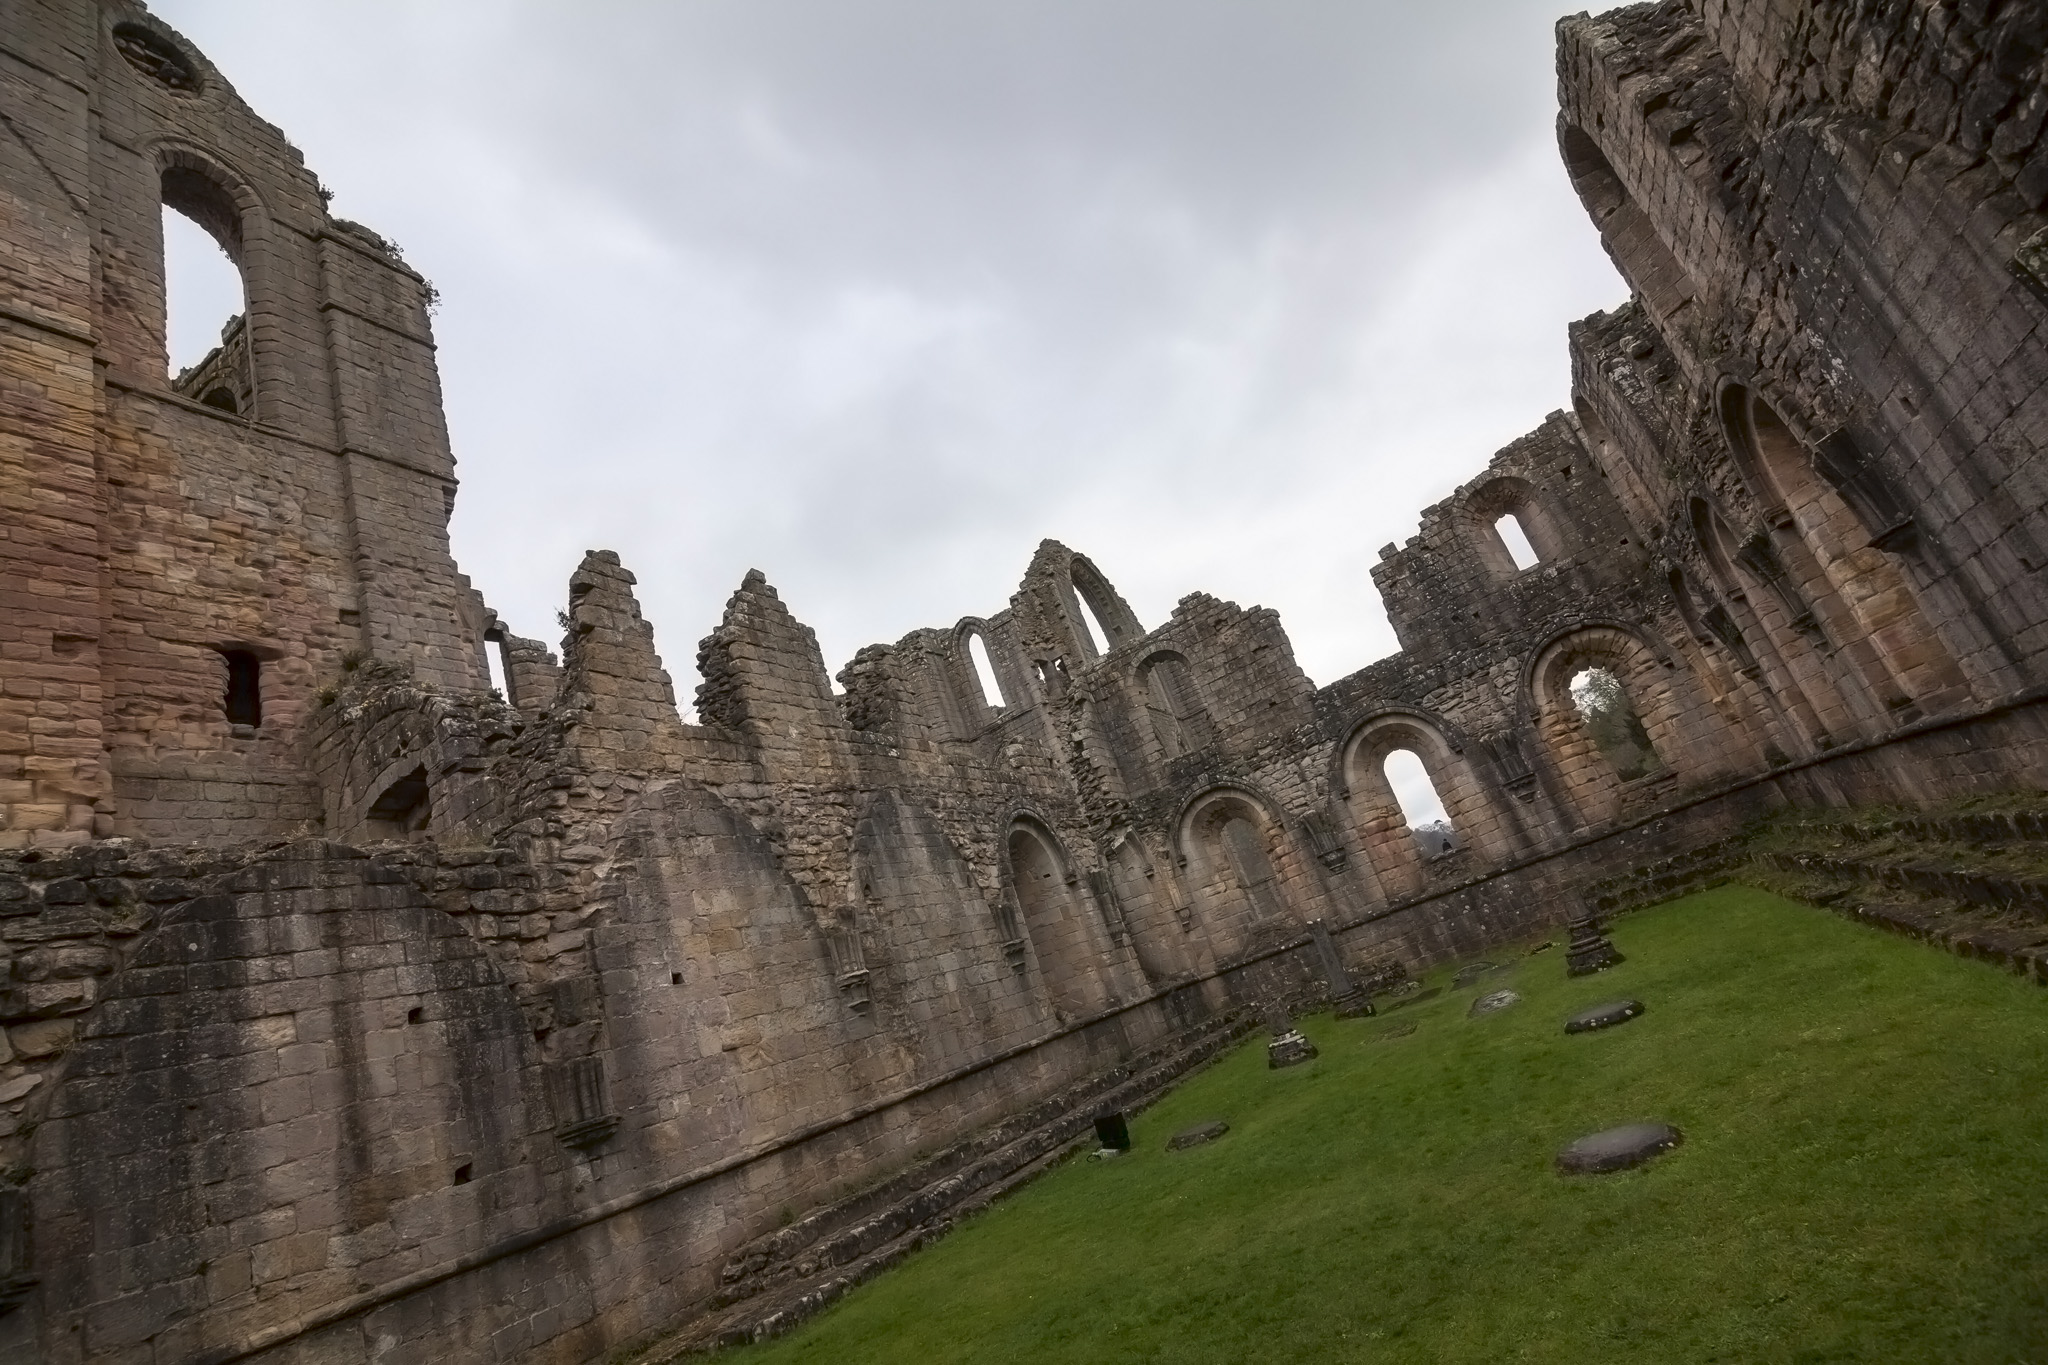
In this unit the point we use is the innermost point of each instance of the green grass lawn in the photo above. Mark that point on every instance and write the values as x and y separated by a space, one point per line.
1864 1178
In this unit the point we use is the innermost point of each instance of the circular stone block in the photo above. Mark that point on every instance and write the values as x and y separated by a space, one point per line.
1603 1016
1617 1149
1197 1135
1487 1004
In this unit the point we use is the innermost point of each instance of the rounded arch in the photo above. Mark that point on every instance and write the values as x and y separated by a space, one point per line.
1172 702
1628 233
208 192
1509 495
1158 928
1088 586
1891 638
1379 816
982 687
1239 861
1758 627
201 187
1590 781
1051 916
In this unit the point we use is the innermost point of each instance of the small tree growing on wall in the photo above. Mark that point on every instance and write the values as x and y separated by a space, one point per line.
1611 720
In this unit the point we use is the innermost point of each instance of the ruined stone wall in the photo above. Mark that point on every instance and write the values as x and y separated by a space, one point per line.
150 535
611 993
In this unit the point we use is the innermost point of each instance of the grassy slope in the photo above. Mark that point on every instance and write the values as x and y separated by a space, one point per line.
1865 1178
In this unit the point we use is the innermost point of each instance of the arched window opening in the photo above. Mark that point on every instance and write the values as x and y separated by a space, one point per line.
1610 718
243 698
985 671
1420 806
1172 706
1509 528
206 339
202 292
1097 638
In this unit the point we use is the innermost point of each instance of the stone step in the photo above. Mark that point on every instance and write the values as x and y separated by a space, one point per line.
2024 896
785 1277
792 1243
1991 925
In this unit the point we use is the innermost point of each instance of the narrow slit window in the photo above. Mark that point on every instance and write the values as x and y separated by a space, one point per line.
985 671
1509 529
494 659
244 699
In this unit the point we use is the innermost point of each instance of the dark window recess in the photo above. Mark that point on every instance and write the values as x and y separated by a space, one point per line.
219 397
403 807
245 687
464 1173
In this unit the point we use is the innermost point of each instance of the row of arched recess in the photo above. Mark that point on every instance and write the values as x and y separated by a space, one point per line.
1816 607
1412 795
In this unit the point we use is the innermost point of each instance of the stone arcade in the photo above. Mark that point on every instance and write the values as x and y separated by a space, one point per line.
611 994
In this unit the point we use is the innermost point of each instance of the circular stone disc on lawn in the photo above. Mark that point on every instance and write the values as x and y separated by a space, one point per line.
1617 1149
1603 1016
1197 1135
1487 1004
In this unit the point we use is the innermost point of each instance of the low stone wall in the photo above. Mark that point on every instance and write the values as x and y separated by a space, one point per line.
307 1116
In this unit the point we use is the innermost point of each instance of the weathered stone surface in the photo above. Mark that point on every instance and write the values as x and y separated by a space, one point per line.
1603 1016
1196 1135
1289 1049
1777 530
1471 973
1492 1003
1616 1149
1590 950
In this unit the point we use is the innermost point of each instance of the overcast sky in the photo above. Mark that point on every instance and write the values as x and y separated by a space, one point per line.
874 295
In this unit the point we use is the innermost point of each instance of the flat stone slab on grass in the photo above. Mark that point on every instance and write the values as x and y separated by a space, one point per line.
1387 1035
1617 1149
1487 1004
1416 998
1603 1016
1197 1135
1470 973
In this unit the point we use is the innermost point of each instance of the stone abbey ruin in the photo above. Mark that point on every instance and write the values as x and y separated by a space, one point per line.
354 1012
